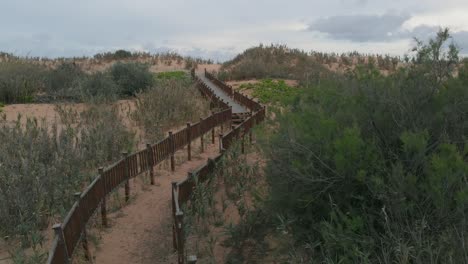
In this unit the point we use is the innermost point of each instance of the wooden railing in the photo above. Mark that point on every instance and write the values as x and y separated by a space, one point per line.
182 191
242 99
73 229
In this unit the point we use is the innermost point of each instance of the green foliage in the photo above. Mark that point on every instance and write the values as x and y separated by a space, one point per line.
177 75
373 169
99 87
131 77
62 80
116 55
271 91
19 81
122 54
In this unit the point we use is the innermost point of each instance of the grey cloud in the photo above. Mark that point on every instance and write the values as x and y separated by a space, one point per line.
384 28
360 28
461 39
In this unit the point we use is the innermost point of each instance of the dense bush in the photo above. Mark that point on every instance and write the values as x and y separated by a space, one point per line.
98 87
373 169
61 82
20 81
131 77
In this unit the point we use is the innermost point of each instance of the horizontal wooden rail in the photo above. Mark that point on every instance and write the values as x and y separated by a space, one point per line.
248 102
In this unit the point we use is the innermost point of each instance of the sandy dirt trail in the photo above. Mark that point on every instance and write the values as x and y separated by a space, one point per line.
141 232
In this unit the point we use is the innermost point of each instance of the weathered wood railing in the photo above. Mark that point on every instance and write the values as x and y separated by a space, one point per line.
73 229
182 191
244 100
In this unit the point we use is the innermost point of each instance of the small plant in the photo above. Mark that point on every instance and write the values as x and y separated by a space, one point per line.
271 91
177 75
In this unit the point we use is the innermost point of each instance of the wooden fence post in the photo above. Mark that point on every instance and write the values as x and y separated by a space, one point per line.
221 143
127 176
242 144
174 229
84 237
250 131
230 119
172 144
150 158
103 204
213 131
61 240
180 237
201 128
189 141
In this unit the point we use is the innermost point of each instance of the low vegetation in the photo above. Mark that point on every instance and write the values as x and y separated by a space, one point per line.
26 82
272 91
369 168
49 162
173 99
178 75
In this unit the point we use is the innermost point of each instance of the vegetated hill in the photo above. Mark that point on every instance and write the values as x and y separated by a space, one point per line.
33 79
279 61
103 61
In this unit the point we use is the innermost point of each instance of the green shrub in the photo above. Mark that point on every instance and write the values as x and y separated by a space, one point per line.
122 54
271 91
131 77
20 81
62 82
178 75
99 87
373 169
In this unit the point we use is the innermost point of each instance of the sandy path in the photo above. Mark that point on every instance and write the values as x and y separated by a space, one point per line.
141 232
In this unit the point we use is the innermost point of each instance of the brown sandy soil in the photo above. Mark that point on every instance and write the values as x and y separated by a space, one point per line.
141 232
48 112
209 67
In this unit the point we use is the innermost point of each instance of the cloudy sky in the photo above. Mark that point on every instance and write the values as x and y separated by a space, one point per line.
219 29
